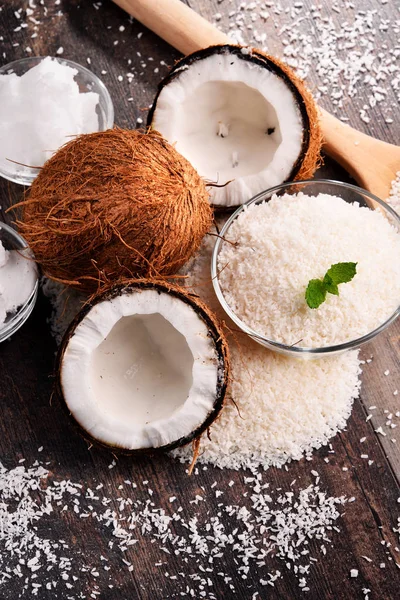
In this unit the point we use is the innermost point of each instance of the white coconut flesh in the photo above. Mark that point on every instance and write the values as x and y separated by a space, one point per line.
140 370
233 120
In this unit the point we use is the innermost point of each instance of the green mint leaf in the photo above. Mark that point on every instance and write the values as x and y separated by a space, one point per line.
315 293
331 287
340 273
318 288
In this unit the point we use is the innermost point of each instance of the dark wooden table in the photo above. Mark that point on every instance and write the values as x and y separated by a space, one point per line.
101 36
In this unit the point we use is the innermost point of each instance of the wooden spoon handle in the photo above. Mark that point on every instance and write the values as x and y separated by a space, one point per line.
175 22
371 162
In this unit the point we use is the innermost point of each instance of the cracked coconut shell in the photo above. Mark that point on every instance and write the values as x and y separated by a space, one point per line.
243 119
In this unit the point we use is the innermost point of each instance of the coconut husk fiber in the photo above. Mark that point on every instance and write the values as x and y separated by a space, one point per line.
114 204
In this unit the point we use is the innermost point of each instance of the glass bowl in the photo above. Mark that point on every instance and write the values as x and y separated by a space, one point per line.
11 240
87 82
349 193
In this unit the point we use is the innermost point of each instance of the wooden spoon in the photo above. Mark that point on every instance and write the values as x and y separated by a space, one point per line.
371 162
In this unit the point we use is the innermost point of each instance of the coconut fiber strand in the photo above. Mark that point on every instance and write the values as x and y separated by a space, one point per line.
115 203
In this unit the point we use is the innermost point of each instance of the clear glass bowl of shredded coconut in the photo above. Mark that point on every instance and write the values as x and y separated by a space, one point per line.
19 281
272 246
45 102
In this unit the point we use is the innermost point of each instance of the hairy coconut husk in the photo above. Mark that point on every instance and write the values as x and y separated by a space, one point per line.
216 333
310 156
115 203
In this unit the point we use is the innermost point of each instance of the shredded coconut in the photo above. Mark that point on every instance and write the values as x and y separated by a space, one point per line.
353 573
265 533
281 244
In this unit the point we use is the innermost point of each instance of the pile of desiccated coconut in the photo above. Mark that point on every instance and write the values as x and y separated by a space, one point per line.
278 524
282 408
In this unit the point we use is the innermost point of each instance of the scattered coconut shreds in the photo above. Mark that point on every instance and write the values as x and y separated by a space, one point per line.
353 573
397 529
281 408
266 533
339 53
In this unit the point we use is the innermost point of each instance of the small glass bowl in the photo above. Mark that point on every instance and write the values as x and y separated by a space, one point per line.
349 193
87 82
11 240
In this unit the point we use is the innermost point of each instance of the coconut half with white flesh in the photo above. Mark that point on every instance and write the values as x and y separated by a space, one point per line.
242 118
143 367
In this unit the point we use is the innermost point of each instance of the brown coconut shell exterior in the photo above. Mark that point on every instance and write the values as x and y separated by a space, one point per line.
114 204
309 158
216 333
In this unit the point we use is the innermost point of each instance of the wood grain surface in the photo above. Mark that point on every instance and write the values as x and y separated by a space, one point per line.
101 36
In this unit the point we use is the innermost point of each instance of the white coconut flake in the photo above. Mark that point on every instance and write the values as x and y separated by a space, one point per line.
353 573
268 524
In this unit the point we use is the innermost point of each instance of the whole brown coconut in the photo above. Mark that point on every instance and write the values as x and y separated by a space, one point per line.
113 204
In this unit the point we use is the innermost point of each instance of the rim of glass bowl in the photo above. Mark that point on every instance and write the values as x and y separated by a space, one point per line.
25 310
108 113
272 344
